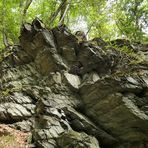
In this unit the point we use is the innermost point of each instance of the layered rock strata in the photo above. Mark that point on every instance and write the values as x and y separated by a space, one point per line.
86 94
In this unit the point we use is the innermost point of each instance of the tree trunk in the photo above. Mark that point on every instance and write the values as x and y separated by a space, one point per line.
24 12
3 31
64 11
5 38
55 14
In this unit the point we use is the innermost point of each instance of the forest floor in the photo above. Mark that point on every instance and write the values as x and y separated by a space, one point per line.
12 138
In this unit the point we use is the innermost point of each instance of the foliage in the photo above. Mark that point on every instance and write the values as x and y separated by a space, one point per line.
108 19
131 18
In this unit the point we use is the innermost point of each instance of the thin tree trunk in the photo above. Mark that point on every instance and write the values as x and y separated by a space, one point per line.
21 4
4 34
24 13
89 29
5 38
64 11
54 15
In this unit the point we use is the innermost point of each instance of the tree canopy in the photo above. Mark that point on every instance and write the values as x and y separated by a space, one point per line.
108 19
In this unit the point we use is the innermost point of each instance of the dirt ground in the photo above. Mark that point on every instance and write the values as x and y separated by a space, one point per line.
12 138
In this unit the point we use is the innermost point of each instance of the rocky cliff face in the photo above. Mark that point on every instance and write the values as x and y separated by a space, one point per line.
70 94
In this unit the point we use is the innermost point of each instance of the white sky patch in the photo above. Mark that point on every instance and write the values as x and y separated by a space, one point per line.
109 3
145 30
79 25
13 10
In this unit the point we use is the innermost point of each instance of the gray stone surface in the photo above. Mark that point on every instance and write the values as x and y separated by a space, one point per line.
71 94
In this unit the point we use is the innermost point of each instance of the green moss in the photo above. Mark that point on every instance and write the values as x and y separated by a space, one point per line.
1 58
8 140
8 91
5 54
126 51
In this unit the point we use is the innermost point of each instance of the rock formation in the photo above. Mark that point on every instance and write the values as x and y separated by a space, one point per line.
75 95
